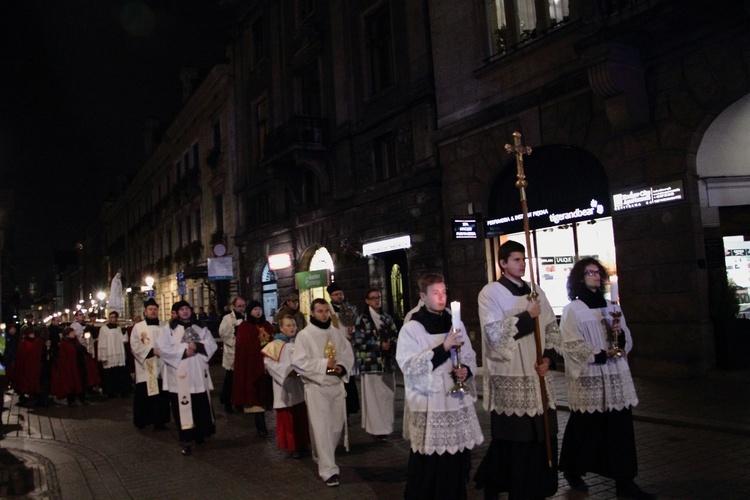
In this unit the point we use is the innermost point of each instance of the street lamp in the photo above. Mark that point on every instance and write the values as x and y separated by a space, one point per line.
150 284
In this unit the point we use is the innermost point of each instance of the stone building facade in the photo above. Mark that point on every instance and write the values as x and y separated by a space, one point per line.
620 91
180 203
335 115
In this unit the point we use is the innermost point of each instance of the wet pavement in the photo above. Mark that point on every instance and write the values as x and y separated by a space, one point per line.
693 439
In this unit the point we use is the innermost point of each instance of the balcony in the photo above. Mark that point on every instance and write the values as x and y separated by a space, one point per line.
301 133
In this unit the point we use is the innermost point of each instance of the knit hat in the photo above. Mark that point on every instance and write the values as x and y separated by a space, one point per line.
333 287
179 305
150 302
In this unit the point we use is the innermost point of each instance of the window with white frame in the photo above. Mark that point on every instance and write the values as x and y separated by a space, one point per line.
515 22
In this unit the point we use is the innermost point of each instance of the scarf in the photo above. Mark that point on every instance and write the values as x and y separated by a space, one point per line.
516 290
376 319
152 322
281 336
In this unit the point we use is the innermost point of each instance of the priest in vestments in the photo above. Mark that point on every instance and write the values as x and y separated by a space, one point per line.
324 358
111 354
150 401
186 348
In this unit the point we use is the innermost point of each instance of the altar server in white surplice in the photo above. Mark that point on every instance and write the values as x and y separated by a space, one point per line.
442 427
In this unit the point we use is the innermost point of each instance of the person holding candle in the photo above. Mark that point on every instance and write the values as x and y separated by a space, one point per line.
516 460
374 344
599 437
443 428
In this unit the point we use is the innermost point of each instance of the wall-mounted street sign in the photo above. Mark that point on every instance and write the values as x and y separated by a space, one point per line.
388 245
465 229
652 195
312 279
220 268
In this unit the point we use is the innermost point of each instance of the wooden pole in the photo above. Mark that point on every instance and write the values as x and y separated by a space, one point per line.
519 150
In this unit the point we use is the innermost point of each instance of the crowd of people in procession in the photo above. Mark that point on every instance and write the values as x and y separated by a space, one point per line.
306 371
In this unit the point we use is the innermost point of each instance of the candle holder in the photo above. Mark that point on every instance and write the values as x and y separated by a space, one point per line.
615 315
459 388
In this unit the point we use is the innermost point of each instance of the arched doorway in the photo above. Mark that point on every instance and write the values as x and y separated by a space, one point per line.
270 292
723 168
569 215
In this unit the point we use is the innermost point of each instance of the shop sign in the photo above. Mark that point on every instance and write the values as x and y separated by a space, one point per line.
312 279
279 261
737 252
464 229
220 268
546 217
388 245
652 195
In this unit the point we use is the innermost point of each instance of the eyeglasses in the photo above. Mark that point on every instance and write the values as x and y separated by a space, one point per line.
592 272
374 298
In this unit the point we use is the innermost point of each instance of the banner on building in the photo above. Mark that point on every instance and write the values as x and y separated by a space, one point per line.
220 268
312 279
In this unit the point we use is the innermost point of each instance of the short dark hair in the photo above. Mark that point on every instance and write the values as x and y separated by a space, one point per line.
427 280
370 290
318 301
507 248
576 281
117 315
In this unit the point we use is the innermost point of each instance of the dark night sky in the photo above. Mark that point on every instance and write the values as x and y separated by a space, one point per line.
78 81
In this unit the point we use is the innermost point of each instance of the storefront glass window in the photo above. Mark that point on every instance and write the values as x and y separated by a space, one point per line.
737 259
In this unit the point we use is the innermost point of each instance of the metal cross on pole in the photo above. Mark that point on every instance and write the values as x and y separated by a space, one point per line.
519 150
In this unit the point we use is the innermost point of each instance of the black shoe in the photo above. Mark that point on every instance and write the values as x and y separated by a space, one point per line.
575 482
260 424
631 490
187 450
333 480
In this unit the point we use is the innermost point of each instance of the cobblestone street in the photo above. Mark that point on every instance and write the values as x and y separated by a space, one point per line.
693 442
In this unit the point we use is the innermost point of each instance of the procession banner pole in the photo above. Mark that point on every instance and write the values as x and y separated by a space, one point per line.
518 149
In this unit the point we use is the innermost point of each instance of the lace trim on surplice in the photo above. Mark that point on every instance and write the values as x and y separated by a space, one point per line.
500 337
519 395
444 431
418 372
553 336
578 352
602 393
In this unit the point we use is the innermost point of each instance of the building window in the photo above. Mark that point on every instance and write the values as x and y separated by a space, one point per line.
304 9
261 127
380 48
309 91
219 213
261 208
198 235
196 158
217 136
397 290
178 170
310 190
384 157
188 229
186 162
179 235
270 292
258 49
513 22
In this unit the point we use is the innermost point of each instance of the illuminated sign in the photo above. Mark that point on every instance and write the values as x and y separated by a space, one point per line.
396 243
661 193
464 229
545 217
279 261
312 279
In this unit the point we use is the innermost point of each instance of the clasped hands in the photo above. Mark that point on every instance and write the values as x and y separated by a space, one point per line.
337 370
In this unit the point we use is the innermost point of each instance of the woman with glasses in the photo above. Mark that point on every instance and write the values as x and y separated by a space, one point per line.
599 436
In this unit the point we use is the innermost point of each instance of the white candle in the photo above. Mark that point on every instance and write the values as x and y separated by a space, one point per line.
614 292
456 313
